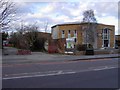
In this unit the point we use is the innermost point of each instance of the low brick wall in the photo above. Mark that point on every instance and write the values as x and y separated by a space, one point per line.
23 52
101 52
106 52
98 52
52 49
56 46
80 53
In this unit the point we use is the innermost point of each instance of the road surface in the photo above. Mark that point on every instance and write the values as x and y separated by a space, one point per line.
96 73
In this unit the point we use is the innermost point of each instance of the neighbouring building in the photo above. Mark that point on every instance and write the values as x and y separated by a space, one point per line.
27 39
75 33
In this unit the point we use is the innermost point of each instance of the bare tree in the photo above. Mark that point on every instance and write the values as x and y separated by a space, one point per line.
35 39
46 26
89 16
28 37
7 12
91 23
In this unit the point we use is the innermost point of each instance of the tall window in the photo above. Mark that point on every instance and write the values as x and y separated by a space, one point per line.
106 37
105 34
68 31
75 35
63 34
69 34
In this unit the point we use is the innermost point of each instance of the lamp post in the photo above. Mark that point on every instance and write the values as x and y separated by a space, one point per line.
1 36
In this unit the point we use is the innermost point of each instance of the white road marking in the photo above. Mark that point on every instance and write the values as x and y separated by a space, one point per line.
103 68
32 73
97 69
53 73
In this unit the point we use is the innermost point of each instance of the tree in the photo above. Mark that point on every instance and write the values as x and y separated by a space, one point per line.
34 38
91 23
46 26
28 37
4 37
89 16
15 38
7 12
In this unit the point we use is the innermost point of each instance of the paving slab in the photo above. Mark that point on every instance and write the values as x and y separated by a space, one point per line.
41 56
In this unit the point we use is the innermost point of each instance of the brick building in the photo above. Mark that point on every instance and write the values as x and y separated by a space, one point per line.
117 40
104 35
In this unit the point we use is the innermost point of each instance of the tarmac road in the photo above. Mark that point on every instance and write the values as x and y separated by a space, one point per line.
100 73
107 78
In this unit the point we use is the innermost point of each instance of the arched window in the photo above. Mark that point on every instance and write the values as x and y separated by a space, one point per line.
105 34
75 33
69 33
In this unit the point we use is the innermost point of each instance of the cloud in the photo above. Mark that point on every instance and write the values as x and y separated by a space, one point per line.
23 7
48 9
60 12
110 20
64 0
110 8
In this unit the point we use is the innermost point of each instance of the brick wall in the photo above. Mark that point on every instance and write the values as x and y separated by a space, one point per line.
56 45
80 36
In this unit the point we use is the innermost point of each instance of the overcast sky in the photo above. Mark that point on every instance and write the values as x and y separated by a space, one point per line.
62 11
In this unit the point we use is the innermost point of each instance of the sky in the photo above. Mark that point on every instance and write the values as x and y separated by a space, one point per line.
52 12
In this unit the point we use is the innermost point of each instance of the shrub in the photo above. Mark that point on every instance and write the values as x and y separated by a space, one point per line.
84 47
81 47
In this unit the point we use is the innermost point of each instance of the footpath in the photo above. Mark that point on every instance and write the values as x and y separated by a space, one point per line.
44 57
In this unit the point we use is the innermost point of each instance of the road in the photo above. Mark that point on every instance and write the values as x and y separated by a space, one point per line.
96 73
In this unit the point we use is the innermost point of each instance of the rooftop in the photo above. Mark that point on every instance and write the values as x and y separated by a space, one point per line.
75 23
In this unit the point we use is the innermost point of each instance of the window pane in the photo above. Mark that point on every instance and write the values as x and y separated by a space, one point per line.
75 40
75 31
69 31
63 35
63 31
105 36
105 30
69 35
75 35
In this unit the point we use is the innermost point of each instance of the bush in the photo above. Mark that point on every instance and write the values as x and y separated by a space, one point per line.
38 45
87 48
81 47
89 52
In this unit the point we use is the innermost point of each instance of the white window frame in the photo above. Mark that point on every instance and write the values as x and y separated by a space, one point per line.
107 35
63 33
75 33
69 33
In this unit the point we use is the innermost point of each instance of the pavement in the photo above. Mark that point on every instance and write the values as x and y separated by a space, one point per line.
74 74
45 57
